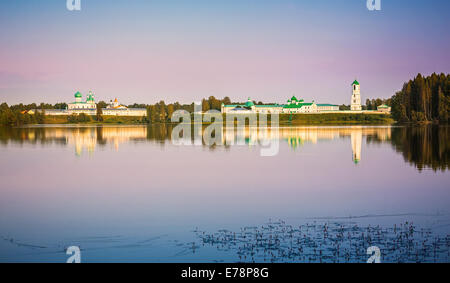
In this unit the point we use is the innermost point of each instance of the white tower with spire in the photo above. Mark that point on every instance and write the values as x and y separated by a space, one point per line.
356 97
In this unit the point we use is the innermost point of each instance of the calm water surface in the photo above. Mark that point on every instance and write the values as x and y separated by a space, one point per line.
128 194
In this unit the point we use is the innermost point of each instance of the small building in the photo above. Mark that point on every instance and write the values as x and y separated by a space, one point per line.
299 106
29 112
327 107
384 108
116 109
251 107
115 105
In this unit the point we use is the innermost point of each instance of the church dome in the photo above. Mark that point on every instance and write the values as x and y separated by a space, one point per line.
78 95
249 103
355 82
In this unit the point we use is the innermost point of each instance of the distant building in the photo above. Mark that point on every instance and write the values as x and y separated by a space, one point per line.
79 104
250 107
356 97
89 107
293 105
29 112
115 105
384 108
299 106
327 107
116 109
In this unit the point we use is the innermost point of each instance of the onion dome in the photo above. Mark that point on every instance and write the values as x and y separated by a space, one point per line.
249 103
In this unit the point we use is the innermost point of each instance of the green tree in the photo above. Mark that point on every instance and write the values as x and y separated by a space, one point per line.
170 110
162 111
205 105
99 116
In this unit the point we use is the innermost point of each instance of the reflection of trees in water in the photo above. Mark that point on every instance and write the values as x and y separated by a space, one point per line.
425 147
33 136
159 132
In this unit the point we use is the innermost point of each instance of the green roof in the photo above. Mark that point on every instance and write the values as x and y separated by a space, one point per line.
273 105
298 106
249 103
78 94
355 82
326 105
383 106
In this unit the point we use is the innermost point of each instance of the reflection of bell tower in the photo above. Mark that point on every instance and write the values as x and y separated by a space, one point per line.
356 97
356 137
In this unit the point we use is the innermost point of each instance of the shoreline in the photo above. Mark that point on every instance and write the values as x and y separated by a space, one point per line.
284 119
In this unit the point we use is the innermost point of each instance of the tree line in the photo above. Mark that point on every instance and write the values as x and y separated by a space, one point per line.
16 115
423 99
161 112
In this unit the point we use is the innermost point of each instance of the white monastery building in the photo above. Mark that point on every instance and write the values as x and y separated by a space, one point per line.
89 107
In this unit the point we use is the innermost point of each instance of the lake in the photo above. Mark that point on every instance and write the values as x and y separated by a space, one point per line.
133 194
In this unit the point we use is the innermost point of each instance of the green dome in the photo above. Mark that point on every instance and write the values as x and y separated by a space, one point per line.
249 103
355 82
78 95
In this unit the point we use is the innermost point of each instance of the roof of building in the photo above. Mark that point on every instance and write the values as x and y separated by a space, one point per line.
78 94
324 105
249 103
269 105
298 105
90 97
355 82
383 106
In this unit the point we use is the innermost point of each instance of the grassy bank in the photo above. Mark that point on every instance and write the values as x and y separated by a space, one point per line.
336 119
285 119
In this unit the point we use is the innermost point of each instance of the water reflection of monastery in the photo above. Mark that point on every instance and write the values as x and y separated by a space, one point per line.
86 139
298 136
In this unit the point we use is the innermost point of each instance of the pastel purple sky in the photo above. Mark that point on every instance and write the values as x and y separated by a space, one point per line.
145 51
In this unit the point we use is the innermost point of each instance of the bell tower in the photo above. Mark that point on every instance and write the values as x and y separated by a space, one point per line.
356 97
